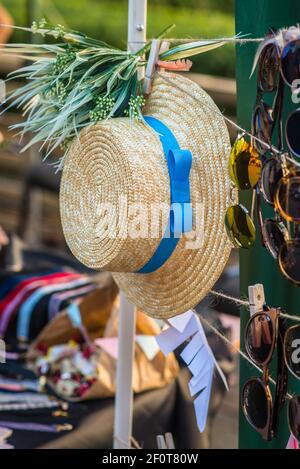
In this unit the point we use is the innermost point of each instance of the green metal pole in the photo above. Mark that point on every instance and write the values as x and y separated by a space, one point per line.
256 266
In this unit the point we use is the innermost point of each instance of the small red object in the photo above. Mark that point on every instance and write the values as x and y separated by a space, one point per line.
42 348
177 65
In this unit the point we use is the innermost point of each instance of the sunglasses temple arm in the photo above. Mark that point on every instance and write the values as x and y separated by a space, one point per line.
282 378
277 111
253 202
259 216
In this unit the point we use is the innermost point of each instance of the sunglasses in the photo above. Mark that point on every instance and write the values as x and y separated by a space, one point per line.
265 117
284 249
276 68
290 60
271 174
294 416
244 171
287 196
280 187
264 332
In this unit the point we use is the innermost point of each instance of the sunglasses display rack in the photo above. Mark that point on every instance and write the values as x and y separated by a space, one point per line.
271 171
266 335
258 263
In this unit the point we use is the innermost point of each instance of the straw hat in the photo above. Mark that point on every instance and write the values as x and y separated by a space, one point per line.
118 163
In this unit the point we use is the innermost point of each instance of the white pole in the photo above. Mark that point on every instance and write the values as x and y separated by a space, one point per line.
137 17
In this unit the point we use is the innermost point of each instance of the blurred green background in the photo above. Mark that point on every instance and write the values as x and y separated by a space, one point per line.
107 20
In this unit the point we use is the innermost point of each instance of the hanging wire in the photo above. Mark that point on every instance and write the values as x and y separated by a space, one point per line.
240 302
237 301
237 40
230 121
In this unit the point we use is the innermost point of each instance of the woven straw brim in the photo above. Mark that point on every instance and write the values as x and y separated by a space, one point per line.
116 154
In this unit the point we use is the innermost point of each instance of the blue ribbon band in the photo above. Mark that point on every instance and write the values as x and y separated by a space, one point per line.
180 220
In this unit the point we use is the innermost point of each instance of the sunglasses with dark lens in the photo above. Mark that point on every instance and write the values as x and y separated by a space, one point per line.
292 361
276 68
265 117
287 196
294 416
289 61
291 347
289 260
276 60
261 336
262 124
271 174
284 249
269 66
280 186
275 234
292 132
264 331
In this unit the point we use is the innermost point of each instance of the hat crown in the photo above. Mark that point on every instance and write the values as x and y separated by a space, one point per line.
126 194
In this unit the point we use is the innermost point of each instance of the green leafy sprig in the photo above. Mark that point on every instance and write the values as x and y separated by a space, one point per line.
75 80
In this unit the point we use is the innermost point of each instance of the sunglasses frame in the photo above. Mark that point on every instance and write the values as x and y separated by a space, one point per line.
296 111
266 432
293 399
279 338
271 428
268 112
282 228
276 109
232 175
285 349
280 263
273 314
229 231
261 185
273 47
277 203
281 54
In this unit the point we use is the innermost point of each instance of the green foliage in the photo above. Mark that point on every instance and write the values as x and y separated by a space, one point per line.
70 84
107 20
79 80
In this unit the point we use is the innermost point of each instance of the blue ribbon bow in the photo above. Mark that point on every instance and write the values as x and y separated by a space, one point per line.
181 214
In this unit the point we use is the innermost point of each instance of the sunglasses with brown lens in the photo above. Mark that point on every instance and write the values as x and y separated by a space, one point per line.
263 333
280 186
